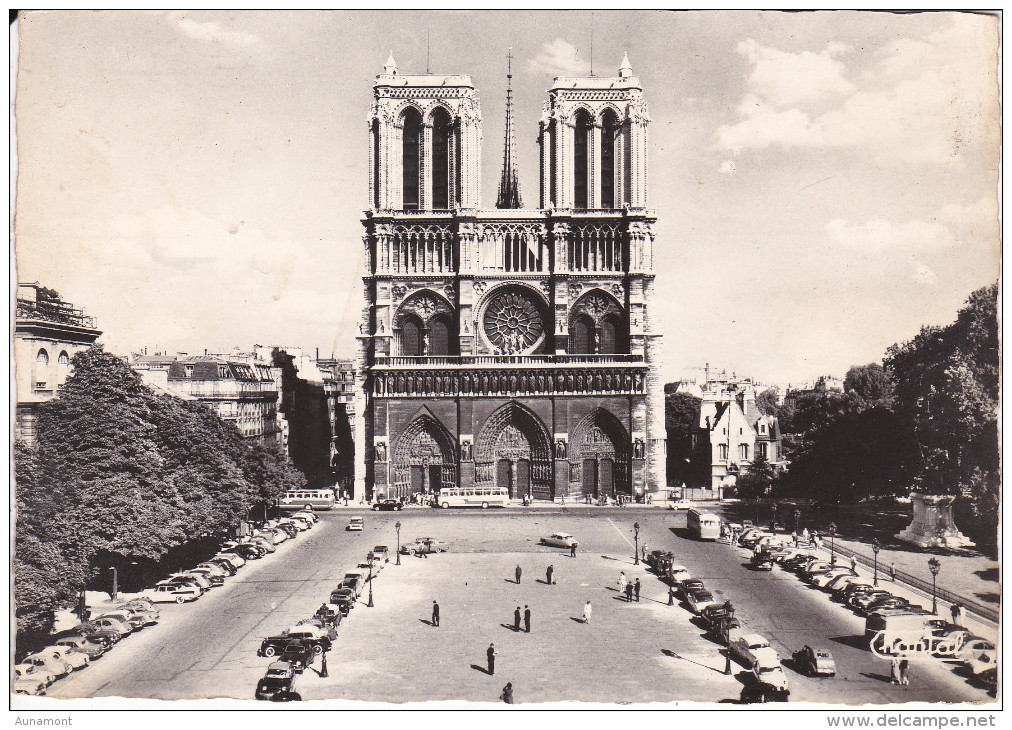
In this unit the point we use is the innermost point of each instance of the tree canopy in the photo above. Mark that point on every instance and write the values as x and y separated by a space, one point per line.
121 472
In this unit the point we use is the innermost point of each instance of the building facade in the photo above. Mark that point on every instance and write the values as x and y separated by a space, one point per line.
508 347
48 332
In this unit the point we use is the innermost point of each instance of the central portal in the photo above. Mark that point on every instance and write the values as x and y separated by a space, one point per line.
514 452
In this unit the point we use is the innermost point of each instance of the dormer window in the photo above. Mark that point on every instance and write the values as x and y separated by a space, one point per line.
188 370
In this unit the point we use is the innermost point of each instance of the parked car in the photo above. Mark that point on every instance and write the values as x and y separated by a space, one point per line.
344 598
308 514
700 599
687 586
821 580
237 561
679 576
289 528
135 621
382 551
141 608
761 561
111 624
559 539
94 632
768 671
27 683
249 550
747 648
659 560
858 601
885 602
275 535
712 615
27 669
314 637
92 648
814 662
300 522
756 692
979 655
356 524
279 681
76 659
330 614
165 592
218 568
196 579
263 541
388 505
839 584
51 663
355 582
297 653
423 545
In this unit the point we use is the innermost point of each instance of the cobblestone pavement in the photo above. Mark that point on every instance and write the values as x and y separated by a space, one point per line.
639 652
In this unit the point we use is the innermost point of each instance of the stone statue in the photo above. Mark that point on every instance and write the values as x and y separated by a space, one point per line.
560 449
638 449
381 451
465 451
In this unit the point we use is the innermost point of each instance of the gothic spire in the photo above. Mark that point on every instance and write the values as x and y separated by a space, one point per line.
509 185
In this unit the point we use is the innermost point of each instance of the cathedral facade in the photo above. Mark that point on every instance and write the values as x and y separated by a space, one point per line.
508 346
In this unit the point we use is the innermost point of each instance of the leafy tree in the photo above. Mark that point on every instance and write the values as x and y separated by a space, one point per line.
757 480
681 421
766 402
870 383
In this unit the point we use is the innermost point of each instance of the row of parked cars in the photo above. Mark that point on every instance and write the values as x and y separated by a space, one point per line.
98 634
896 617
295 648
752 650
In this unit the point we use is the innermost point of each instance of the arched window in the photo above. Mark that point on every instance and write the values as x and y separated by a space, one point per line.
581 168
63 367
610 333
411 336
41 374
581 335
439 337
442 129
609 130
376 197
411 147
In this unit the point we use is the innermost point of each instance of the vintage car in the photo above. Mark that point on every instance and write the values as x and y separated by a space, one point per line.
141 608
94 632
858 601
747 648
660 561
700 599
356 524
279 680
768 671
355 580
209 575
559 539
755 692
344 598
681 504
297 653
173 593
48 663
679 576
761 561
388 505
189 579
712 615
687 586
814 662
381 551
822 580
111 624
135 621
93 648
979 655
262 541
28 682
289 528
237 561
76 659
423 545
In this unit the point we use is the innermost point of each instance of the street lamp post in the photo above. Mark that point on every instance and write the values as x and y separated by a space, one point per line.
934 566
369 604
115 583
636 535
797 521
875 547
726 626
397 527
773 521
832 543
757 510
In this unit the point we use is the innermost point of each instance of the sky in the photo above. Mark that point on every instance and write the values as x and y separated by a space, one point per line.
825 183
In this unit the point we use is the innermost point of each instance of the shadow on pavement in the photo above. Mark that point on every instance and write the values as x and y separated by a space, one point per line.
578 619
875 675
483 670
858 642
511 627
426 622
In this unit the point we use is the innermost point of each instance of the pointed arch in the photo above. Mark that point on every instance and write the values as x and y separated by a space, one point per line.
416 319
583 125
605 318
411 157
600 452
610 126
423 457
442 140
514 450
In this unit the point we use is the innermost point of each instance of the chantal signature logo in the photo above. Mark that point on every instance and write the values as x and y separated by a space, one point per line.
886 645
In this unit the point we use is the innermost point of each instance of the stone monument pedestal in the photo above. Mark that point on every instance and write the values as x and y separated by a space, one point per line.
933 525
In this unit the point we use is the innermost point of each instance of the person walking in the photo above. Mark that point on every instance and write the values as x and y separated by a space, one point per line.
644 557
549 571
636 590
905 672
572 550
892 572
507 693
435 614
490 653
628 592
853 563
894 671
518 573
622 582
527 619
957 612
516 619
671 595
587 611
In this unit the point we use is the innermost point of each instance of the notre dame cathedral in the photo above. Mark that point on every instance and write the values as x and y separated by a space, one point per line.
510 346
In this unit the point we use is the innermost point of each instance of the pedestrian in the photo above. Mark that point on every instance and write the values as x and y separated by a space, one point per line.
549 575
435 614
516 619
671 595
644 552
805 535
892 572
507 693
572 550
636 589
956 610
517 572
905 672
622 582
490 653
794 537
527 619
628 592
587 611
853 563
894 671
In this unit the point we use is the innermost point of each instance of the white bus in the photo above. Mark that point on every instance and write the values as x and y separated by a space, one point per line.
298 499
483 497
703 525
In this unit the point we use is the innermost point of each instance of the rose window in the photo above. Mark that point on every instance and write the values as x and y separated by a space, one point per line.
513 323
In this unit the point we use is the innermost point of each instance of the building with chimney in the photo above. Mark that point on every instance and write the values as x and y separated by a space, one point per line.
510 347
48 332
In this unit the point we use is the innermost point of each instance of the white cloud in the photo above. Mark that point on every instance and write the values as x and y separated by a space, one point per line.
727 167
211 31
926 276
881 236
559 58
922 99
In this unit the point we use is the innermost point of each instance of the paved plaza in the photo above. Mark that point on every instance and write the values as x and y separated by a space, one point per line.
629 653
